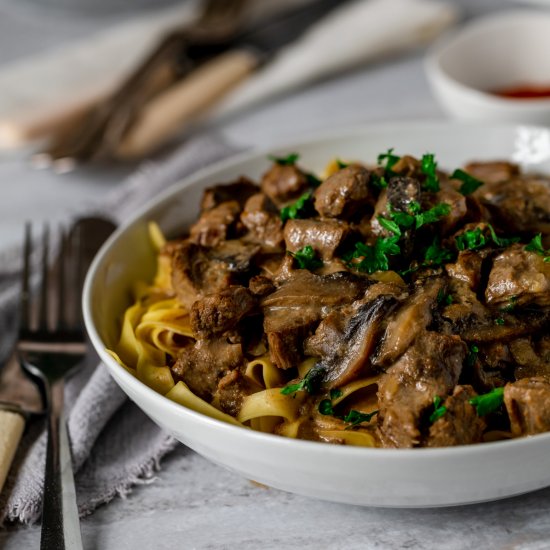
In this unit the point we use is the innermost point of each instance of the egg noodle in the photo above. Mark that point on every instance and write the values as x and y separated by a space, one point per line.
155 328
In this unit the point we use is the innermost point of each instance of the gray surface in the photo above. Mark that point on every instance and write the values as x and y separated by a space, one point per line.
194 504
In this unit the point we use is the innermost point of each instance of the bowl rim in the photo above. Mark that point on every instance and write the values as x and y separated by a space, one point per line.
451 39
280 147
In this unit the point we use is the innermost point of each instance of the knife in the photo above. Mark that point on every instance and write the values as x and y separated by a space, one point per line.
168 113
19 399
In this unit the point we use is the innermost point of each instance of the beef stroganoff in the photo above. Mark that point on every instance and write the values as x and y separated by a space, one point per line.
384 305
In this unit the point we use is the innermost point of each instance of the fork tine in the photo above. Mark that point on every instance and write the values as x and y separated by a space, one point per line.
25 321
44 286
62 320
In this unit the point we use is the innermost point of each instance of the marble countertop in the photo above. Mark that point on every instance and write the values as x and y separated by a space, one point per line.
192 503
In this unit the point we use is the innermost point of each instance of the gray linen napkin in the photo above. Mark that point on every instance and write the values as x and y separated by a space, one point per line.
114 445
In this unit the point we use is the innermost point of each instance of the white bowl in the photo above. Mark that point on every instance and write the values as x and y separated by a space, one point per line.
491 53
375 477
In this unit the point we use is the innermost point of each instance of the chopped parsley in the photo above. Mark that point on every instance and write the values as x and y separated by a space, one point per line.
309 382
535 245
443 298
335 393
313 180
501 241
388 160
436 254
373 257
429 168
306 258
471 358
416 216
341 164
439 409
289 160
378 182
298 209
488 402
511 305
499 321
469 183
353 417
473 239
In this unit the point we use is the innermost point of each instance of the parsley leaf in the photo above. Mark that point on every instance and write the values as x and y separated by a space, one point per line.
356 417
389 225
341 164
373 257
436 254
501 241
429 167
499 321
471 358
379 182
488 402
297 209
388 160
471 239
313 180
289 160
432 215
469 183
306 258
439 409
335 393
309 382
353 417
535 245
443 298
474 239
511 305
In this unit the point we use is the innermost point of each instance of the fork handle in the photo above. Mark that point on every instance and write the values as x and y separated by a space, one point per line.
13 424
60 523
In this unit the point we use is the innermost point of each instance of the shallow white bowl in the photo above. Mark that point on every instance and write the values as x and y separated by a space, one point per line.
376 477
494 52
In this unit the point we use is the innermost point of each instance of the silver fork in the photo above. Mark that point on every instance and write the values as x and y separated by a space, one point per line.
48 349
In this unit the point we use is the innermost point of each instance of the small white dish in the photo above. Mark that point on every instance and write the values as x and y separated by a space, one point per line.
492 53
374 477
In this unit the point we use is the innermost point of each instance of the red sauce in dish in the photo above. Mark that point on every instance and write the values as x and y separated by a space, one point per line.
524 92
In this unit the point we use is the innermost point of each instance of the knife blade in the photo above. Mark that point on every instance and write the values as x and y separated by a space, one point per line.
169 112
19 399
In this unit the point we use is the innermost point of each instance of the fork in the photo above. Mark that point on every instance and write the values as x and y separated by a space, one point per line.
48 350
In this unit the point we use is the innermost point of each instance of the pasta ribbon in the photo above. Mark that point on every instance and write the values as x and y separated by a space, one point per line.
270 402
181 394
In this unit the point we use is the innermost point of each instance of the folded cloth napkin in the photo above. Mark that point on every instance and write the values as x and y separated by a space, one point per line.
43 92
114 444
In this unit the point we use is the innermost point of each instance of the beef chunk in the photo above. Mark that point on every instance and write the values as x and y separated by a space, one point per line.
261 286
284 183
429 368
518 205
493 171
219 312
460 425
531 358
344 193
197 270
413 316
239 191
202 365
518 277
214 225
465 312
528 404
263 221
231 391
467 268
457 202
294 310
325 236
